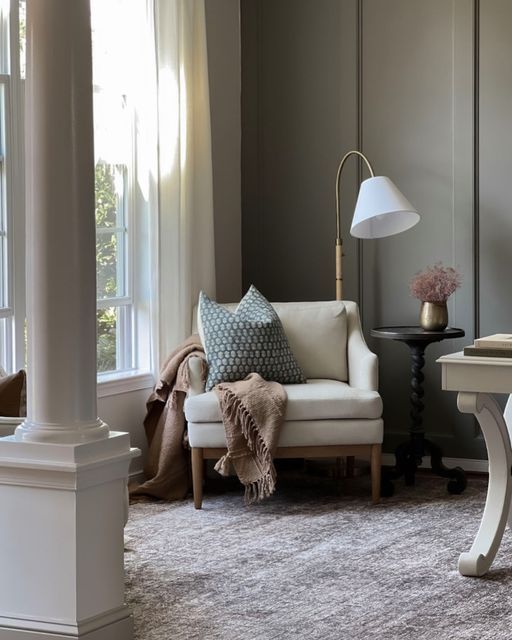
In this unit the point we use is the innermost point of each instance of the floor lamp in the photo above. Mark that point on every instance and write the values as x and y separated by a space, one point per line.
381 210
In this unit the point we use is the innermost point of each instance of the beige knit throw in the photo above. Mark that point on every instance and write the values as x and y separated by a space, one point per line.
253 414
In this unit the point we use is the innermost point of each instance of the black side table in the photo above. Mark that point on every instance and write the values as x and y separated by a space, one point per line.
409 454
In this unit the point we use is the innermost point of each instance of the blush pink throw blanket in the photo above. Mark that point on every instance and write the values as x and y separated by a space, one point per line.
252 412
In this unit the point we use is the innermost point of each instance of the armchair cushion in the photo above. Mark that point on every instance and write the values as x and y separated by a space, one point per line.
317 333
250 339
316 400
298 433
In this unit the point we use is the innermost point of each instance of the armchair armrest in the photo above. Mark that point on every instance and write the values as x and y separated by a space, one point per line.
363 364
195 374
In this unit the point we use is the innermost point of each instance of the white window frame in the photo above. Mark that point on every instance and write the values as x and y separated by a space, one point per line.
6 236
126 350
141 258
5 202
136 361
13 192
143 245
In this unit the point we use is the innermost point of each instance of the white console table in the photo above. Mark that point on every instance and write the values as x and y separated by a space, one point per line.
476 379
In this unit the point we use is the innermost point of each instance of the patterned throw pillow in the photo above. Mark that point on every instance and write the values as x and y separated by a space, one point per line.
249 340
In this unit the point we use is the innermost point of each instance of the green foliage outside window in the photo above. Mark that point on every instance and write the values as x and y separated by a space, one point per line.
106 265
106 320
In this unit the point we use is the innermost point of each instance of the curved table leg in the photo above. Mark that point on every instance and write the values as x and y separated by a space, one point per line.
479 558
507 414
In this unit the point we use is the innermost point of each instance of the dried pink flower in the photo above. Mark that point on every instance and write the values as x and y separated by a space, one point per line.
435 284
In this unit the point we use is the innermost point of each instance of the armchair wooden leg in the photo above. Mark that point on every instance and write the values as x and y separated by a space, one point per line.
376 470
197 476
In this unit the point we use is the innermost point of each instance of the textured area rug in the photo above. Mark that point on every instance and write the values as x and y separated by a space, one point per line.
317 560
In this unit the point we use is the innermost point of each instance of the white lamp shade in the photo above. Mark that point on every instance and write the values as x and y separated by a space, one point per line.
381 210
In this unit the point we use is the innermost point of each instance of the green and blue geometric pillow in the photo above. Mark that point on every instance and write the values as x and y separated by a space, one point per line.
251 339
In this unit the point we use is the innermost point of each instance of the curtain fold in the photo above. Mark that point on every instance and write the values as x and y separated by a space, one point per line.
186 256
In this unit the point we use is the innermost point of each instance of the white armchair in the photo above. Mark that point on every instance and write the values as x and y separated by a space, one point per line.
337 413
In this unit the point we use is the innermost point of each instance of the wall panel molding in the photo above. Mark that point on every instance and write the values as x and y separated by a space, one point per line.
476 166
360 145
403 81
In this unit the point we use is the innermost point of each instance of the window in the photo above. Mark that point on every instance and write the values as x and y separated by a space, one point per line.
12 291
114 151
123 208
6 310
115 309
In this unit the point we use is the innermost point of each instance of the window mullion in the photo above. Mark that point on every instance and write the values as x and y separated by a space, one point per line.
121 301
7 16
107 230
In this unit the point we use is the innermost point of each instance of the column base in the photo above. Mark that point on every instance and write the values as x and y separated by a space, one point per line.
118 630
58 434
61 539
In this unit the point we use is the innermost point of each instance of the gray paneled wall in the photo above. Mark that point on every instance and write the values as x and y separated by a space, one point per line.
291 133
223 40
425 89
495 214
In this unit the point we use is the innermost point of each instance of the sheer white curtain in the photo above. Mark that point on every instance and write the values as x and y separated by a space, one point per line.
185 237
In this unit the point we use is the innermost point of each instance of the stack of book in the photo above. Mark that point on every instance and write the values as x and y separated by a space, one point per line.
498 345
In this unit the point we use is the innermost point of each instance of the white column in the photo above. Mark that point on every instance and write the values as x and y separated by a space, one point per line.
63 475
61 271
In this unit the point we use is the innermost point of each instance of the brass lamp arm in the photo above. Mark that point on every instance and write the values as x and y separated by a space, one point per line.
381 210
339 250
338 175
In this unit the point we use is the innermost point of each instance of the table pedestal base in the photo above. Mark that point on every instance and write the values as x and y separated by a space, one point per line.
408 458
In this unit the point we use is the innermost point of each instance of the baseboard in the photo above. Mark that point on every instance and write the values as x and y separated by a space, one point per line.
119 630
468 464
136 477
